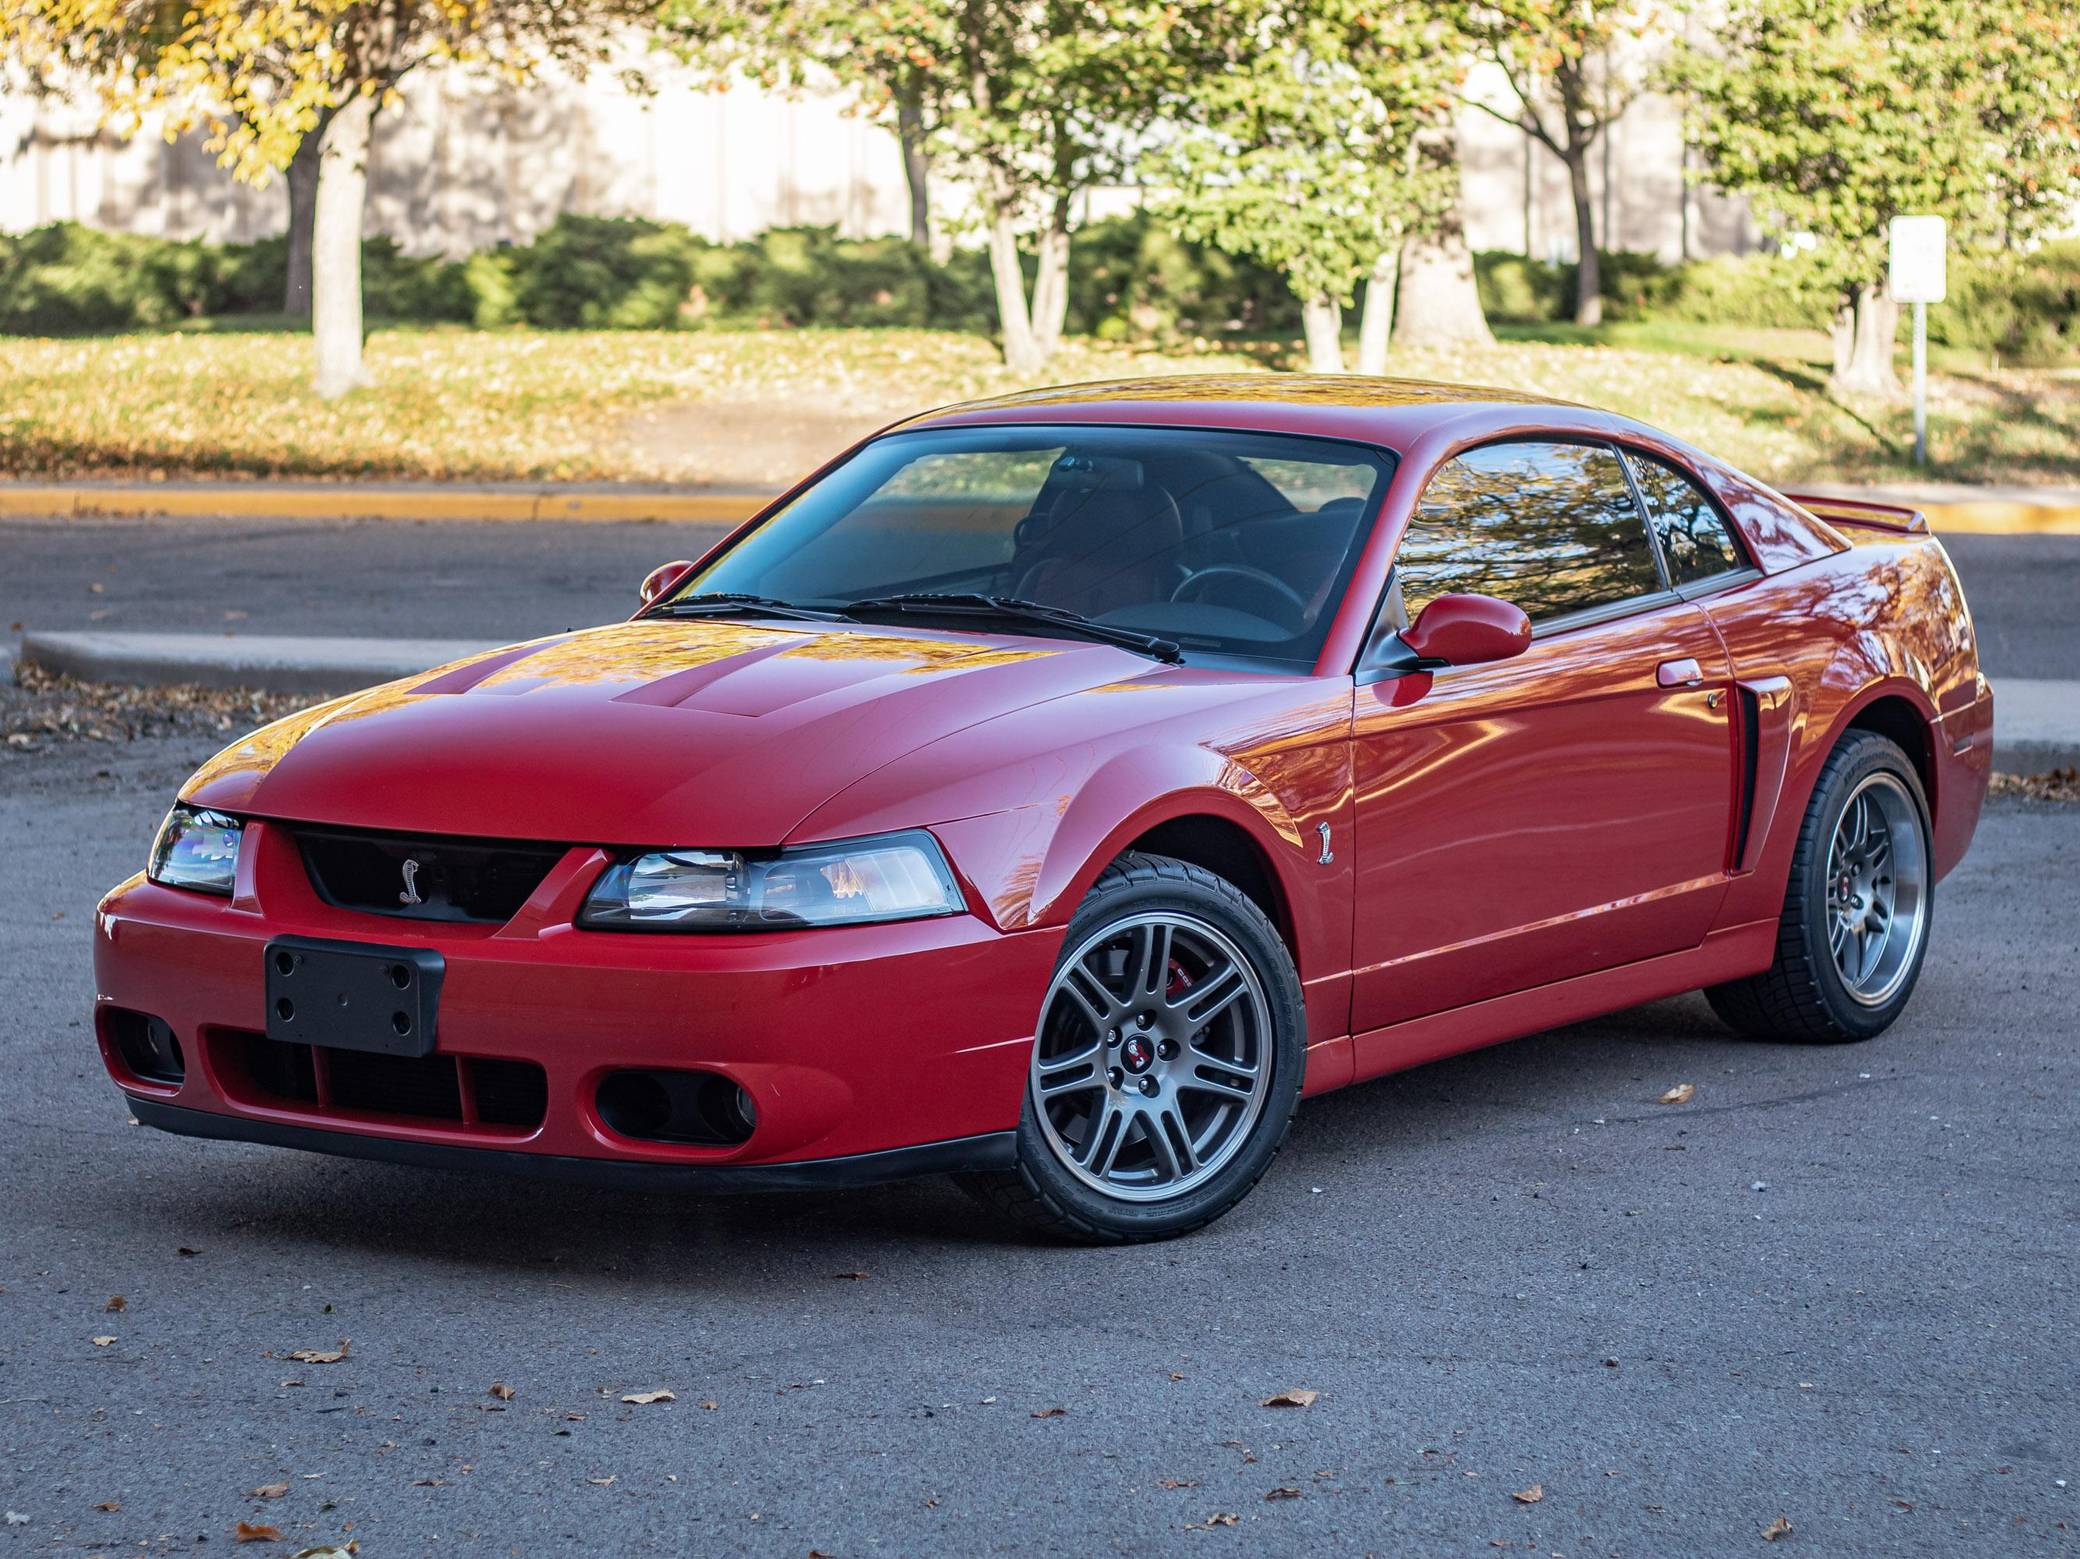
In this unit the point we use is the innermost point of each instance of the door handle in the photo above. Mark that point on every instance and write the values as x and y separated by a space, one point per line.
1679 673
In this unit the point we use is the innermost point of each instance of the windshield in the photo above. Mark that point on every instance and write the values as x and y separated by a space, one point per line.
1226 543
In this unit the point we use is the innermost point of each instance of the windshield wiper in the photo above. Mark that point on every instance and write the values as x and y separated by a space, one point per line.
1014 609
736 603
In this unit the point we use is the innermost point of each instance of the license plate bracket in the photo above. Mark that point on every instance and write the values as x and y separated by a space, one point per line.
353 995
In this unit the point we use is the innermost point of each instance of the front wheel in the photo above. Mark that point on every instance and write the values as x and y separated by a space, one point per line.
1167 1062
1857 908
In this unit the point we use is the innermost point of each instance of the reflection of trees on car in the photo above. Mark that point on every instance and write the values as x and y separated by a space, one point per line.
1549 527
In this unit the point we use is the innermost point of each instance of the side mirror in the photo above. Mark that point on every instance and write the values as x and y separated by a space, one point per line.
1468 630
660 580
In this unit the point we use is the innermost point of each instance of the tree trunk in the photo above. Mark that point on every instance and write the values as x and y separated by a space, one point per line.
1322 319
1021 352
336 247
1864 342
302 180
1376 324
917 168
1438 303
1051 287
1588 270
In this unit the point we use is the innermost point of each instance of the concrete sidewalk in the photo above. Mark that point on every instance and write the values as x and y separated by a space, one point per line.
1959 510
2036 723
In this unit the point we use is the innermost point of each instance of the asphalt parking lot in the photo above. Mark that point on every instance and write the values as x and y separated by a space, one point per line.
1835 1287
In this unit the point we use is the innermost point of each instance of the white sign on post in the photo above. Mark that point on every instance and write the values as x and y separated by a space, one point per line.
1918 277
1918 251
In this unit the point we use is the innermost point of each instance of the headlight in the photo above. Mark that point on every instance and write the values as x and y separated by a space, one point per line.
892 877
195 849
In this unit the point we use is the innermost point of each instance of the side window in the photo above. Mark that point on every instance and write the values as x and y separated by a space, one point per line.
1550 527
1694 536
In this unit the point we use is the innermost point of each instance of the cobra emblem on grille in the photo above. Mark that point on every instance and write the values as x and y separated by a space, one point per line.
411 884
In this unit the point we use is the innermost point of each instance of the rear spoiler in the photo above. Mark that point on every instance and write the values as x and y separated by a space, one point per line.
1864 514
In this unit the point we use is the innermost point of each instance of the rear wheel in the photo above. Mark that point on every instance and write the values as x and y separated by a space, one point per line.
1857 908
1167 1062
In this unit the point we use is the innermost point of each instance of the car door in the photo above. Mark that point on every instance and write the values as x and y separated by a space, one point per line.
1559 812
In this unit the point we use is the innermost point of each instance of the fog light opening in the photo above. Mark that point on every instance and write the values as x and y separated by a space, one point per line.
147 1046
658 1105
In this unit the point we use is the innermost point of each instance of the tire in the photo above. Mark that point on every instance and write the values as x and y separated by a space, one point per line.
1812 993
1149 1110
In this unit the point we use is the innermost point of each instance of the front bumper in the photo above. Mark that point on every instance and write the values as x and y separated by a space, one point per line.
869 1052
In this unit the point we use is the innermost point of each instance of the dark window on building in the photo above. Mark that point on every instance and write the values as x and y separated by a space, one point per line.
1550 527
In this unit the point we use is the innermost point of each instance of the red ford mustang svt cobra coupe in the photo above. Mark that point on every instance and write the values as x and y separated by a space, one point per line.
1055 790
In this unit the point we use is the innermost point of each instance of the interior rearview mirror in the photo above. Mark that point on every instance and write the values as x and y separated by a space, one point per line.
660 580
1468 630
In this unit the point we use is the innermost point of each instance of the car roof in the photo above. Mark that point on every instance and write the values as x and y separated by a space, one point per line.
1389 412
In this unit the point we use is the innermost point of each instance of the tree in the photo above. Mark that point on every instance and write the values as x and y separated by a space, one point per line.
1561 60
1834 116
890 53
1440 300
266 79
1033 101
1301 153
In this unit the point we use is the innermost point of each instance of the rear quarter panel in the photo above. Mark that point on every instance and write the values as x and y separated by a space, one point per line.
1883 617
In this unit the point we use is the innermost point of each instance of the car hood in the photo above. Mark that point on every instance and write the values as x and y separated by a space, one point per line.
650 732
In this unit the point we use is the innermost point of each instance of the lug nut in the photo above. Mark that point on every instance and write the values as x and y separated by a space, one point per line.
1148 1086
1114 1076
1143 1020
1167 1049
1112 1036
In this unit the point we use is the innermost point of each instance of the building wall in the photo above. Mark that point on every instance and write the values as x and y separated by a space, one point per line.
460 164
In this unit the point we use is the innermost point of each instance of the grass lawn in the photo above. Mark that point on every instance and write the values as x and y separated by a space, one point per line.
756 405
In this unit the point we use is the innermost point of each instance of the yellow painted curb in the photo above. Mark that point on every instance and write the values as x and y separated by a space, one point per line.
347 502
1996 517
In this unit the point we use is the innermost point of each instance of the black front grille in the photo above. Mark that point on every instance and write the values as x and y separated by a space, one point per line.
451 879
473 1091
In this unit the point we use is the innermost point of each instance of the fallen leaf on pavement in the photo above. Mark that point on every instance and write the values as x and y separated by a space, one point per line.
853 1277
1221 1518
645 1398
429 1483
1682 1093
1298 1396
327 1551
101 1342
1050 1412
321 1355
250 1532
502 1391
186 1250
116 1303
710 1405
606 1482
1776 1529
110 1504
1530 1496
270 1491
1284 1491
1177 1483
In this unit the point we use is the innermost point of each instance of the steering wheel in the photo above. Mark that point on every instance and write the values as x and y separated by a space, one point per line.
1288 609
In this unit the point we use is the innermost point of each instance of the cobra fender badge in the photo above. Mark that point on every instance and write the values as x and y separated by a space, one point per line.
411 884
1328 855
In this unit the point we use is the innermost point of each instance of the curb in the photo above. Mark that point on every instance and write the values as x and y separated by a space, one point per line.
2036 723
346 500
353 501
275 665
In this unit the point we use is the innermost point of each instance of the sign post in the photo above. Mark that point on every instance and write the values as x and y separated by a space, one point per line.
1919 277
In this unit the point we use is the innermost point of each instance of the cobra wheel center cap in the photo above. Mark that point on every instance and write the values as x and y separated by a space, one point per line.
1137 1054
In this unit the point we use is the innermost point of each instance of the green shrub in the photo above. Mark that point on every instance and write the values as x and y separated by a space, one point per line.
1515 289
1132 278
2023 308
66 277
603 273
